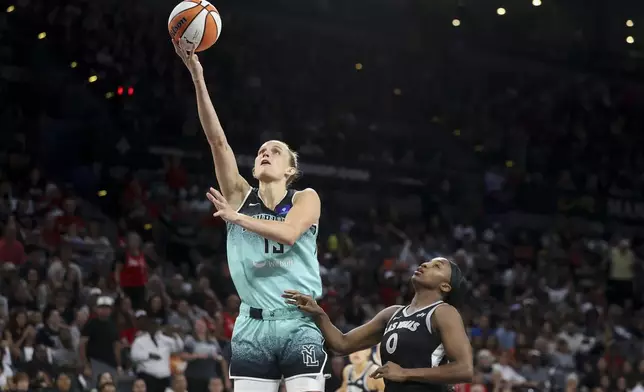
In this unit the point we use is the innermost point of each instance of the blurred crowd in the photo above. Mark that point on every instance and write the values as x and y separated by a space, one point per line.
554 309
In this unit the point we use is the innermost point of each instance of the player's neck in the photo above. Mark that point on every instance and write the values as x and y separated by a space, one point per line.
272 193
424 298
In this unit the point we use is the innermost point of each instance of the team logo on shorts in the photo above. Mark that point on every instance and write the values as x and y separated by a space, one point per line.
308 355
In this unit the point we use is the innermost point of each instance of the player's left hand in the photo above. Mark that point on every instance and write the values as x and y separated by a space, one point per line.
224 210
390 371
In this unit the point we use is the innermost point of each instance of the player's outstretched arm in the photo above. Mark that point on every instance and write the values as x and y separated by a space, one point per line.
460 369
232 184
304 214
361 338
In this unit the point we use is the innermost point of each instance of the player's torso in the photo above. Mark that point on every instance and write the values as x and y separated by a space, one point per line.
357 381
262 269
409 342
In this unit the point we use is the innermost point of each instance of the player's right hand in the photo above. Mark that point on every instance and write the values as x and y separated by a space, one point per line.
304 302
190 59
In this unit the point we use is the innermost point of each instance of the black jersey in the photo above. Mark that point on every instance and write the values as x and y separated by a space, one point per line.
410 342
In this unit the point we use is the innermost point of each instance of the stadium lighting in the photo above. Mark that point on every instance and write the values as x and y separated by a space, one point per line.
109 95
42 35
93 78
102 193
456 22
11 8
509 164
630 39
358 66
457 132
500 11
629 23
73 64
536 3
397 91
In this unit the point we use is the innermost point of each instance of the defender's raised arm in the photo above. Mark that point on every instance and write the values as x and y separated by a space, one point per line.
233 186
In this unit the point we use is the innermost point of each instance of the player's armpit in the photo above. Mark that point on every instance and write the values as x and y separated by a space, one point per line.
361 338
460 369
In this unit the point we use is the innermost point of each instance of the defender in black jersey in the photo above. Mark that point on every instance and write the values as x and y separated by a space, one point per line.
424 346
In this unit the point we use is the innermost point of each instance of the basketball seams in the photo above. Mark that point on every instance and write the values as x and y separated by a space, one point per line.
200 34
203 33
215 15
183 29
186 7
193 19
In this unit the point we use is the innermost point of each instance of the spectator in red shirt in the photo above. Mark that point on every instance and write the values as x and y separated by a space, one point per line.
11 250
49 234
175 175
131 272
69 217
230 315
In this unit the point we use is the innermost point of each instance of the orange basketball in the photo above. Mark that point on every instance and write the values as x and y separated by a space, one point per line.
194 23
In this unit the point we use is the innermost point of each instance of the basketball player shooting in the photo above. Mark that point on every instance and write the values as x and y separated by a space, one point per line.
271 244
424 344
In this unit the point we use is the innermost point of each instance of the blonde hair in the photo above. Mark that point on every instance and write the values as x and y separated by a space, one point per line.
294 161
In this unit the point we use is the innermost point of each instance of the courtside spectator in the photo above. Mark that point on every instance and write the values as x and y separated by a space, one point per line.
151 353
205 359
48 335
179 384
100 344
622 272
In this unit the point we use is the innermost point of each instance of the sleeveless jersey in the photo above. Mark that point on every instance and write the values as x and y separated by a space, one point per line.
262 269
410 342
358 382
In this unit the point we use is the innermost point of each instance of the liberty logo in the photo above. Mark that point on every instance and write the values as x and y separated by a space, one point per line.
308 355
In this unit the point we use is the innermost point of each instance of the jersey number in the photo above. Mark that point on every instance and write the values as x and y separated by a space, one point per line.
391 343
277 249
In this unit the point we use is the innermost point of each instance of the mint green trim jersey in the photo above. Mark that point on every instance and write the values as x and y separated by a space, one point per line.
262 269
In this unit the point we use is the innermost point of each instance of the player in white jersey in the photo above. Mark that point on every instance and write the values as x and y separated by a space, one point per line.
271 245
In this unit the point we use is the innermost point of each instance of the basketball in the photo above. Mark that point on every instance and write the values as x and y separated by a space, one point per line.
194 22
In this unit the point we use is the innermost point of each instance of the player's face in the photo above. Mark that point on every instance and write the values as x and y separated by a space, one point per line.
435 273
273 162
360 356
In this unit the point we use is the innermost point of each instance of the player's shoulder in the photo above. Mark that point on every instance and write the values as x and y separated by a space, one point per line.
386 314
306 193
444 315
446 310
